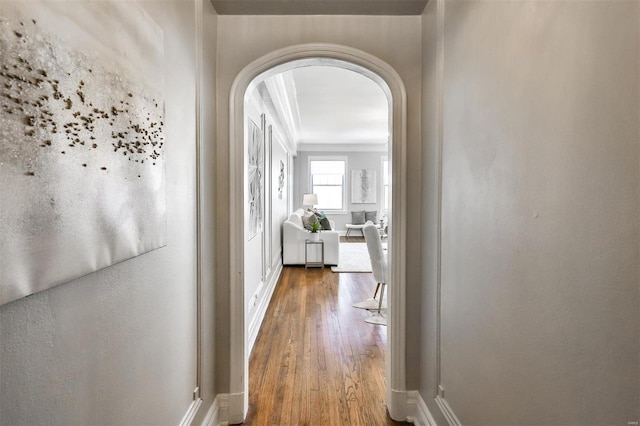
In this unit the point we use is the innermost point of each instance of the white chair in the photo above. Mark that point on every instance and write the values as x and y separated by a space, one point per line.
379 268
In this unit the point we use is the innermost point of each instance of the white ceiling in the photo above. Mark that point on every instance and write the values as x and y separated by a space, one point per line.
326 106
319 7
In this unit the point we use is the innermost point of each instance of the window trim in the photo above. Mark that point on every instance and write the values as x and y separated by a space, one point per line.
344 180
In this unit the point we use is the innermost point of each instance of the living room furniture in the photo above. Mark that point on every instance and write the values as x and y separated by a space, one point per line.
350 227
313 263
294 238
379 268
359 218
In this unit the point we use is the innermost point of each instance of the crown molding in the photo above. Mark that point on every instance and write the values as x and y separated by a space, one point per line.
343 147
282 94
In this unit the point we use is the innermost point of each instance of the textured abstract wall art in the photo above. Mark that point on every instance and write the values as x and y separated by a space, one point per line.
255 178
281 180
81 140
363 186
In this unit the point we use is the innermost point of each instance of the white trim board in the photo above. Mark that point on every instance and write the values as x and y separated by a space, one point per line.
366 146
263 304
420 414
188 417
448 413
217 412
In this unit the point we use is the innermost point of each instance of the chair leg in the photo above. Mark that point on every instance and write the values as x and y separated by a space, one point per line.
381 297
377 288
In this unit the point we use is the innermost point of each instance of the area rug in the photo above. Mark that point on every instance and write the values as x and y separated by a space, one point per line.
354 257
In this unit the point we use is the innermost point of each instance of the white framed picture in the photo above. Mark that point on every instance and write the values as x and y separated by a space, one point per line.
363 186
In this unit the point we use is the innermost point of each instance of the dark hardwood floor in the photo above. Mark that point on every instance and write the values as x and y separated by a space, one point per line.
315 361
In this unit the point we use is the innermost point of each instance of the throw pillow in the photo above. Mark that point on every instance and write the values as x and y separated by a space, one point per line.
357 218
372 216
308 219
325 224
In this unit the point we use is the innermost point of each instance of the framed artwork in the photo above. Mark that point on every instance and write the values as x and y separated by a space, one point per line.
81 140
255 178
281 180
363 186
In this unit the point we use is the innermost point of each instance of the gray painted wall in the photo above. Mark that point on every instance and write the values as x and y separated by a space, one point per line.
355 161
118 346
241 40
540 207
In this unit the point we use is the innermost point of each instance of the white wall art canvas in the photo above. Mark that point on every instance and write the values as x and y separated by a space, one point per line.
363 186
81 140
281 180
255 178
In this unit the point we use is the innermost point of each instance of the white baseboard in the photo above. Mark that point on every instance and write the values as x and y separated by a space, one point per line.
217 412
263 304
420 414
213 413
397 404
415 407
447 412
236 408
187 419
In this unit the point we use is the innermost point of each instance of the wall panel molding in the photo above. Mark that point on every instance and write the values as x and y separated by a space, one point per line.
217 411
263 304
191 413
447 411
418 410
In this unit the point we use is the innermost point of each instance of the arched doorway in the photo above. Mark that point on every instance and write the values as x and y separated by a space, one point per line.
391 83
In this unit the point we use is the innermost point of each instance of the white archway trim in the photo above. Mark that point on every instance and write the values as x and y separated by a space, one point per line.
390 81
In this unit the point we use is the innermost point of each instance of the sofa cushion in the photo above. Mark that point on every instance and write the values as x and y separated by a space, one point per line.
372 216
358 218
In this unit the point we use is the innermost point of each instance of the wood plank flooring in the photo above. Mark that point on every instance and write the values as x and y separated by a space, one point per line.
315 361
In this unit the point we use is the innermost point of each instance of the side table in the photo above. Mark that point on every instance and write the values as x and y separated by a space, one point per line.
313 264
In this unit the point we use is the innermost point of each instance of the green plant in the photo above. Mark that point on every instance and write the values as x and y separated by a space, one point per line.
315 227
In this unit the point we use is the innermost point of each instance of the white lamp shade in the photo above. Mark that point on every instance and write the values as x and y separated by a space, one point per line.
309 200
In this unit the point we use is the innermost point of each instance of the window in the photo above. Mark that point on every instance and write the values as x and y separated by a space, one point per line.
327 177
385 183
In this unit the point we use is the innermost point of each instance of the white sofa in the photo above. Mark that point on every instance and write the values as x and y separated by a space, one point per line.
293 241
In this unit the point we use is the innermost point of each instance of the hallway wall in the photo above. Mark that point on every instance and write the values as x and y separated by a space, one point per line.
242 39
118 346
540 207
263 252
